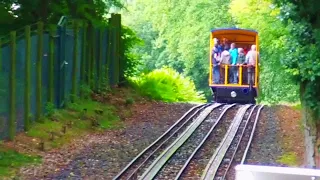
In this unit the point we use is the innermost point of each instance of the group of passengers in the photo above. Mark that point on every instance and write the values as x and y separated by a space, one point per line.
232 57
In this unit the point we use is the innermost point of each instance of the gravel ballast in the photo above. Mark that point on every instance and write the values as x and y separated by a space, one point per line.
266 148
102 156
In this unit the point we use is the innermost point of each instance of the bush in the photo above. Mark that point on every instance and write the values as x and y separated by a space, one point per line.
167 85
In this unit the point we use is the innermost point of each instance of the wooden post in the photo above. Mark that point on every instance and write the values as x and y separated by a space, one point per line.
0 54
75 63
115 20
27 91
89 56
39 74
51 67
100 65
109 56
12 86
83 55
122 54
93 60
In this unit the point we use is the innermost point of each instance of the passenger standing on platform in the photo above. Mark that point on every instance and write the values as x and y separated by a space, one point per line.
241 60
234 69
251 58
216 57
225 61
241 56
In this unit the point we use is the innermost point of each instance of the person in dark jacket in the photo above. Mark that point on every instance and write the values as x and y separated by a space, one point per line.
216 55
241 61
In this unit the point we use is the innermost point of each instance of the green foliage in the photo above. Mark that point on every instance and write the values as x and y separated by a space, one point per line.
302 48
85 91
50 109
50 11
129 101
176 34
9 160
131 59
275 82
79 114
289 159
167 85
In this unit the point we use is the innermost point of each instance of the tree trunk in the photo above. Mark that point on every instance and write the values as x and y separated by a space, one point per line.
309 130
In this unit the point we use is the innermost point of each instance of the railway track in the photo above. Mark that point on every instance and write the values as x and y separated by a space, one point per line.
142 160
221 161
204 128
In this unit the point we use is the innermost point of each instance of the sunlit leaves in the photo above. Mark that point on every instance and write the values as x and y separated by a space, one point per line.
167 85
303 55
261 15
180 30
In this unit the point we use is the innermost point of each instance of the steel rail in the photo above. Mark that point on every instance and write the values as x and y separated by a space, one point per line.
238 143
203 141
166 140
156 166
251 136
217 157
157 140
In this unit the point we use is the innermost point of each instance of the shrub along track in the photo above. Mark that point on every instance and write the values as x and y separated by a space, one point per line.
189 150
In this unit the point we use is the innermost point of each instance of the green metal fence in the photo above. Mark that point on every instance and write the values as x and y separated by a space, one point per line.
44 64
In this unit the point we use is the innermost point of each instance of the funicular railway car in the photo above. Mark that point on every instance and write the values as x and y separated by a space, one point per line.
234 61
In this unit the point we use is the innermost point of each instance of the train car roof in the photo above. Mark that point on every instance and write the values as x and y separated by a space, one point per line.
237 35
231 30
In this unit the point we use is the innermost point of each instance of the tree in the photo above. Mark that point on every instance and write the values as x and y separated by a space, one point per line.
302 61
176 33
28 12
275 83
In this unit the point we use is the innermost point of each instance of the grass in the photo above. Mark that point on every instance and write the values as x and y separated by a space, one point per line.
62 126
11 160
297 107
288 158
77 118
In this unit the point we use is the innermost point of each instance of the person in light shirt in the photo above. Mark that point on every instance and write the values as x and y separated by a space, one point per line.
251 58
225 61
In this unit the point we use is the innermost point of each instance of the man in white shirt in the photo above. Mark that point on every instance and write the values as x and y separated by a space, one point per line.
251 58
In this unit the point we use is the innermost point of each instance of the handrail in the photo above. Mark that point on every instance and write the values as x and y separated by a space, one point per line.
225 70
239 65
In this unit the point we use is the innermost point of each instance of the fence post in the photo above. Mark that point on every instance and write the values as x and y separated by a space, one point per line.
89 55
122 55
12 87
51 66
0 54
94 59
27 91
61 62
118 39
100 66
83 57
39 73
115 47
75 64
108 55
